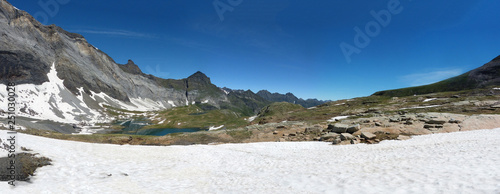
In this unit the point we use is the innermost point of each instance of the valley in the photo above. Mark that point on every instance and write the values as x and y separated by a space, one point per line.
87 123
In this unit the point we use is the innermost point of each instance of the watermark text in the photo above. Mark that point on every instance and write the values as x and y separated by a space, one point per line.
372 29
222 6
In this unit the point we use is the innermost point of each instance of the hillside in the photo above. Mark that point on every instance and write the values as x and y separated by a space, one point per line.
485 76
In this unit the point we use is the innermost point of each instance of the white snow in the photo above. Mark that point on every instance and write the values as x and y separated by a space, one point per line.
430 99
171 103
496 88
226 92
215 128
53 101
418 107
252 118
205 101
463 162
137 104
314 107
50 101
161 122
337 118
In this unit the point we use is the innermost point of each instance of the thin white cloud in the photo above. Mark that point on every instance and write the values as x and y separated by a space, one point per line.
124 33
419 79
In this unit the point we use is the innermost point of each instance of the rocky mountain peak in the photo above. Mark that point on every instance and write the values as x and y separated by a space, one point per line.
199 77
131 67
290 95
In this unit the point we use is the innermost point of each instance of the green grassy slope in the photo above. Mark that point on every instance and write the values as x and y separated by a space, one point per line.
461 82
482 77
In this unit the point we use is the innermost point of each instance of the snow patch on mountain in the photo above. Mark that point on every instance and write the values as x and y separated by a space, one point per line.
50 101
430 99
212 128
53 101
338 118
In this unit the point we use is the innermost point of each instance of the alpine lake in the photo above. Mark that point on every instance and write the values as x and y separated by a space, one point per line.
134 127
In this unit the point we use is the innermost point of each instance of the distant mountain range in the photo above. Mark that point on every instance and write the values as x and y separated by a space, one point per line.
485 76
289 97
62 77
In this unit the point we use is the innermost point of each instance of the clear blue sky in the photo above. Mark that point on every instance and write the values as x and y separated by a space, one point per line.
289 45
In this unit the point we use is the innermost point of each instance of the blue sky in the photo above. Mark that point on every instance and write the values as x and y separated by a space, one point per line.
289 45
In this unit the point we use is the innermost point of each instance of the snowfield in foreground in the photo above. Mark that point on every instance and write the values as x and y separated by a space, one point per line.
463 162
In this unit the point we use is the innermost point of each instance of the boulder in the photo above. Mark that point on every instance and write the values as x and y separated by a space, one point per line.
346 136
368 135
336 141
394 120
438 121
329 137
352 129
339 128
403 137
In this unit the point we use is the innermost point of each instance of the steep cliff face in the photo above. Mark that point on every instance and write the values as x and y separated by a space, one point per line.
89 76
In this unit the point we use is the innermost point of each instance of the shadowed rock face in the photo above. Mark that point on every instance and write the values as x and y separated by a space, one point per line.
22 68
131 68
488 74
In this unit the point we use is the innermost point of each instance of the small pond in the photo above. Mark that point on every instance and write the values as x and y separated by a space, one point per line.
135 128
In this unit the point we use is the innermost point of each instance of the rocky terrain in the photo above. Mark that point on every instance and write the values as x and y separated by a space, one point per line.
361 120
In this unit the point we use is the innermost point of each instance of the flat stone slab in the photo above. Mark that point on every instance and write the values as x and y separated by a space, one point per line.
368 135
340 128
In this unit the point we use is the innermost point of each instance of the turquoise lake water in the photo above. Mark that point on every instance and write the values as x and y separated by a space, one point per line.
134 127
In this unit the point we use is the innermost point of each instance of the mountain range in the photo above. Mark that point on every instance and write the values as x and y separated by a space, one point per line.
62 77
